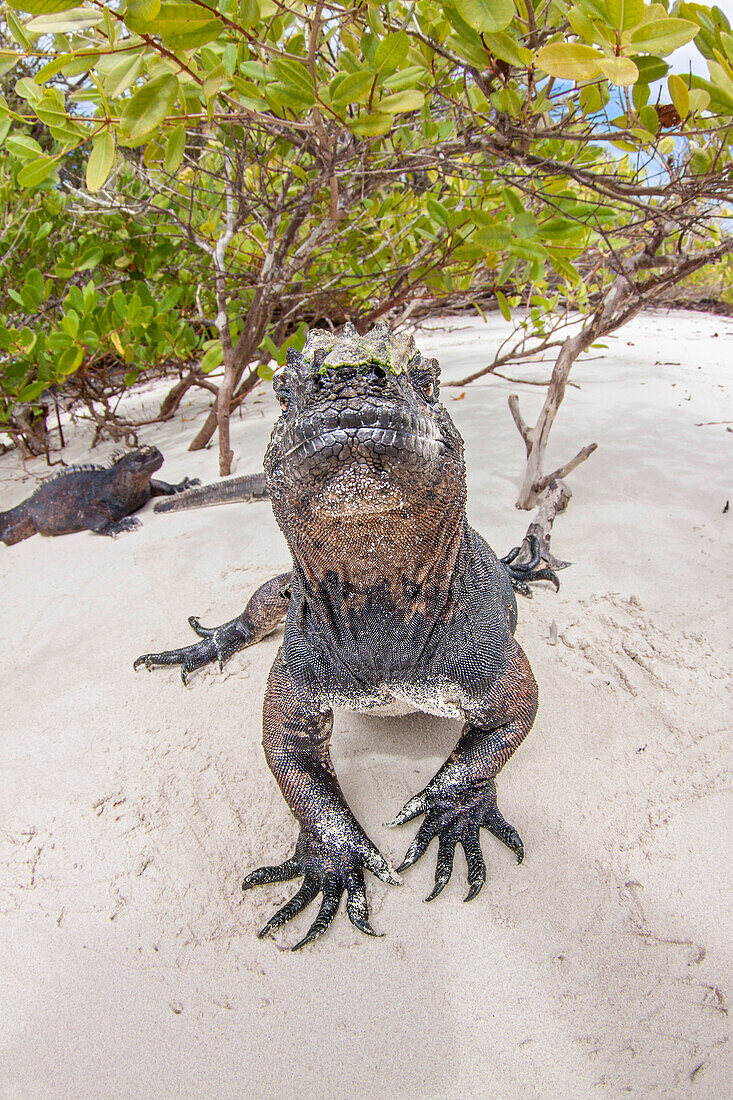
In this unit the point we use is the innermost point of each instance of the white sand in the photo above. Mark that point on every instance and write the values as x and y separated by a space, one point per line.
130 807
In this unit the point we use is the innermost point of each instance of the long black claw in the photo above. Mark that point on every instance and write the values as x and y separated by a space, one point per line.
547 575
296 905
202 631
329 907
444 866
506 833
264 876
356 904
475 864
425 834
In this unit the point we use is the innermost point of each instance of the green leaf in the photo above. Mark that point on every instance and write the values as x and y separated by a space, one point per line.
663 35
293 72
502 45
29 393
90 258
570 61
148 107
175 147
371 125
289 95
69 21
4 128
124 73
680 94
213 357
503 305
36 171
181 26
43 7
649 119
34 278
213 82
700 162
438 212
143 9
100 161
69 361
494 238
27 89
391 51
512 201
718 76
486 15
621 71
525 225
21 145
347 88
650 68
8 60
699 101
401 102
625 13
528 250
249 12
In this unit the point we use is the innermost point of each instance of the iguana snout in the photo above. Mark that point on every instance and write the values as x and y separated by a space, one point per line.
360 418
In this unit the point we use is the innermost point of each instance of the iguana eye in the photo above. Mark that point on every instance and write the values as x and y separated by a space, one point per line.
283 399
429 389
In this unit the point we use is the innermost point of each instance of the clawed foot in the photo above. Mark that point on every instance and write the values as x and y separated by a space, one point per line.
455 817
217 644
329 865
521 575
119 526
187 483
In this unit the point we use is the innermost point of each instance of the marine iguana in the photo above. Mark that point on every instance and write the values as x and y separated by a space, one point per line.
392 598
90 498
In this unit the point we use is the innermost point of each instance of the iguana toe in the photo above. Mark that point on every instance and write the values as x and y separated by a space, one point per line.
331 867
455 816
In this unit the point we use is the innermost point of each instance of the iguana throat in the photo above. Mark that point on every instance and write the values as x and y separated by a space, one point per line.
365 468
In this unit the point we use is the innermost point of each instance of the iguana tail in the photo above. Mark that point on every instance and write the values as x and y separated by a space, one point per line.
232 491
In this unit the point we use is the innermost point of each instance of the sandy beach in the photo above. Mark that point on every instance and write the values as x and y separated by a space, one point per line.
131 806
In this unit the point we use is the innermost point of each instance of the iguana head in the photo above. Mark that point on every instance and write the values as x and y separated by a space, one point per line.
362 432
143 460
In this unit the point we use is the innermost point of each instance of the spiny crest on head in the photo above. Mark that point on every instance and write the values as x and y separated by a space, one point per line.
118 455
327 349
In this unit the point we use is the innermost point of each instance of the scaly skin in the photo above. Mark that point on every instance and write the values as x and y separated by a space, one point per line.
90 498
392 596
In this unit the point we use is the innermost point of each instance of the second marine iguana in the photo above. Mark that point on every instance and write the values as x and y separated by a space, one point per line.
392 598
90 498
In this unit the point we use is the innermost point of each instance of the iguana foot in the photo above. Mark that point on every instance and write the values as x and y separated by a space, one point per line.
217 644
117 527
187 483
521 575
329 865
455 817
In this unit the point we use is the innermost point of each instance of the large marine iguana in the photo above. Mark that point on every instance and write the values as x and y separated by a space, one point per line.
90 498
392 597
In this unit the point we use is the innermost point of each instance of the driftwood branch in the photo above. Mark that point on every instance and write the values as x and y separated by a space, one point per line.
554 499
522 426
563 471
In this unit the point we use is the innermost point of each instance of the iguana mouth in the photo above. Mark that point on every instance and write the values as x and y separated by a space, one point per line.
349 432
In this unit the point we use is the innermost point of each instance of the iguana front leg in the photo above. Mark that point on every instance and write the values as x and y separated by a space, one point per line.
460 799
102 524
266 608
332 849
166 489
